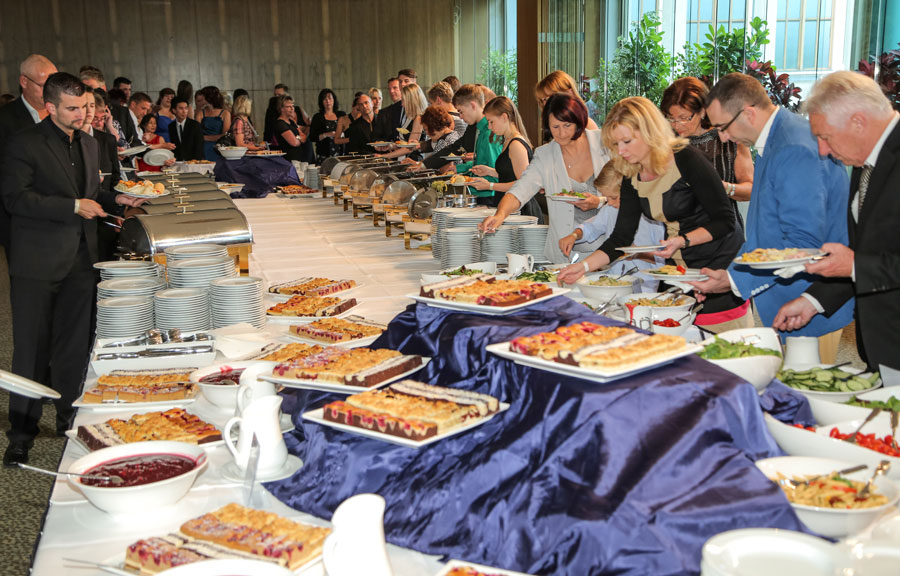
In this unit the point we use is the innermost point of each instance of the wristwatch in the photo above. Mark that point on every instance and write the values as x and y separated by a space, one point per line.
687 241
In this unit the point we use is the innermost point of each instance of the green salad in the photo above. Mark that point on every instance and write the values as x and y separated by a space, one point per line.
572 194
892 404
463 271
827 380
538 276
721 349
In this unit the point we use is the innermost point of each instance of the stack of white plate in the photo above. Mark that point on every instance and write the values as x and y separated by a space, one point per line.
126 269
532 239
184 308
236 300
459 246
516 221
468 217
197 272
124 316
440 217
174 253
496 245
138 286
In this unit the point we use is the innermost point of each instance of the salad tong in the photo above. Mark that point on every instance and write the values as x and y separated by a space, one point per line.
155 352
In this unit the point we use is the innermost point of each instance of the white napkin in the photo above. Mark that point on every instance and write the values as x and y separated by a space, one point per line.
790 271
242 339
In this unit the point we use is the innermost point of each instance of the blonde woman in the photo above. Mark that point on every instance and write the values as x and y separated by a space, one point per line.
670 182
375 95
558 82
414 104
244 132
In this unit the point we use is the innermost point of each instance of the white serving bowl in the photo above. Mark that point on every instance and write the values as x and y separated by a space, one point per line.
604 293
136 499
757 370
228 567
837 396
768 552
799 442
831 412
684 326
222 395
831 522
232 152
688 301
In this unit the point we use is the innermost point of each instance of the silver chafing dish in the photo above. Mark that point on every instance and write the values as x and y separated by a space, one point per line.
151 234
328 164
188 206
191 196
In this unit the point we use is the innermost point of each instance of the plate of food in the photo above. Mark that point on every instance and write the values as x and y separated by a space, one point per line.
453 157
232 531
773 259
346 370
833 384
174 424
309 286
460 568
402 144
142 189
199 162
350 331
297 309
486 294
134 150
569 196
594 352
379 144
122 389
295 191
266 153
679 273
409 413
640 249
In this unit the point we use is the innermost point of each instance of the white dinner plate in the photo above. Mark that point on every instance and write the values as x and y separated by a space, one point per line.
776 264
639 249
690 275
567 199
339 388
24 387
489 310
502 349
133 150
348 344
453 564
317 416
767 551
269 155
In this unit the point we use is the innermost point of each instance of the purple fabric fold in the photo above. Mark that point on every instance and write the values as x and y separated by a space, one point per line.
258 175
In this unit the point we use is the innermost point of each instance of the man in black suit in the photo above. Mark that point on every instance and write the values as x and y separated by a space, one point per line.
108 162
391 117
23 112
854 122
51 187
185 133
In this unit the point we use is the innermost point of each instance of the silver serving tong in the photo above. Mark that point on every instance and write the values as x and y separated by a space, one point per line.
116 480
872 415
851 470
155 352
696 309
882 468
108 568
628 272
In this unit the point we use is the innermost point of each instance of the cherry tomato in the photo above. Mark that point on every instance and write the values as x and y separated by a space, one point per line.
667 323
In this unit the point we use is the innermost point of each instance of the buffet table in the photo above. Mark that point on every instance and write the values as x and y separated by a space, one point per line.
258 174
629 477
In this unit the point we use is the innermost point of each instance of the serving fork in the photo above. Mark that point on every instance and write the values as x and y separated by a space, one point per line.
872 415
882 468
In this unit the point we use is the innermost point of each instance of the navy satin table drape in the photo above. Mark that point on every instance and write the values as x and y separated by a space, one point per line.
576 478
258 175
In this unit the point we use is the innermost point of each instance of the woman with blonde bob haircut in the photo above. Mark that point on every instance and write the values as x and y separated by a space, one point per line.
670 182
244 132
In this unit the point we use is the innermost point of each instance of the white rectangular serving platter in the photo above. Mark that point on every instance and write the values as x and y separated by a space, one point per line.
293 196
502 349
339 388
118 406
318 417
489 310
348 344
285 297
306 319
102 367
451 565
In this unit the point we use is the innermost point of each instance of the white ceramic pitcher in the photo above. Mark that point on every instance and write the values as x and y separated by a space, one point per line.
518 263
252 388
261 417
356 544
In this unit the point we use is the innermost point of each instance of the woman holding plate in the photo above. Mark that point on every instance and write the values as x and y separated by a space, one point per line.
568 163
671 182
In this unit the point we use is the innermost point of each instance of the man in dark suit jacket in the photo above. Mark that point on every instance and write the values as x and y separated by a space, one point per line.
51 188
185 133
388 119
854 122
23 112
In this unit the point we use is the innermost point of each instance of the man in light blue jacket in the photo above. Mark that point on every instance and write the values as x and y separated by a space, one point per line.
798 198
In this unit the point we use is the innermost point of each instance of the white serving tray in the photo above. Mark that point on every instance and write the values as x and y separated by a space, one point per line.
502 349
317 416
489 310
339 388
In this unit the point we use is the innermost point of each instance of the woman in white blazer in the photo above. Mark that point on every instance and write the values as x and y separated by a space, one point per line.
570 162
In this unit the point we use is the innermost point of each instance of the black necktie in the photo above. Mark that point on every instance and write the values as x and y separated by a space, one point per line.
179 132
863 186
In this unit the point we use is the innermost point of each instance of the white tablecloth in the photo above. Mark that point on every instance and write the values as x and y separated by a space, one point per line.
293 238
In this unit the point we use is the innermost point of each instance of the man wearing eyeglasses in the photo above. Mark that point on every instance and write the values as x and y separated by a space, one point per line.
797 200
26 110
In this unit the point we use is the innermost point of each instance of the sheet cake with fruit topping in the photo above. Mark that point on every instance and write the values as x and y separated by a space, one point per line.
311 286
312 306
486 290
130 386
361 367
337 330
174 425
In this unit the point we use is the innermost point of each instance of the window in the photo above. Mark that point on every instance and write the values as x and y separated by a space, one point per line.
637 8
803 34
705 13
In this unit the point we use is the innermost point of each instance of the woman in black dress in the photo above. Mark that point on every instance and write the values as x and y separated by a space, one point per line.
323 127
505 123
288 134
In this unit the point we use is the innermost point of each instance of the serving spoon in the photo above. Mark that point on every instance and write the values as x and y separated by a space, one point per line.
883 467
116 480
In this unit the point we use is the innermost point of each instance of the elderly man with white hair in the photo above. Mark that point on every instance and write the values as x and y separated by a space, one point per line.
854 122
